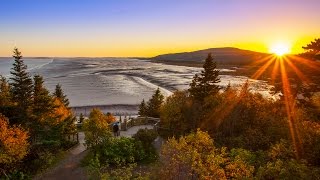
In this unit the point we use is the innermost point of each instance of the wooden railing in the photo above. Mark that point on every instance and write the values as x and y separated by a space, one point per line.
126 124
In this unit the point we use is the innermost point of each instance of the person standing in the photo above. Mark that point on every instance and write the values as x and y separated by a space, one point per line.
119 128
115 129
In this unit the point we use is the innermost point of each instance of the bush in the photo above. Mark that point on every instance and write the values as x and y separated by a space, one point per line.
146 137
96 129
119 151
195 155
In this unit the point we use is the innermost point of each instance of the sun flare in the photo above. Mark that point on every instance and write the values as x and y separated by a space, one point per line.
280 49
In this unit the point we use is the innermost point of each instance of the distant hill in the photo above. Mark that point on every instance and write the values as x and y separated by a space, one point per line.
226 55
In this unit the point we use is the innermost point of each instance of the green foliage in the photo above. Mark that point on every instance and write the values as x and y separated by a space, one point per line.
204 84
175 115
154 104
289 169
96 129
29 105
5 95
121 151
195 155
114 158
42 101
254 128
247 120
17 175
94 166
41 158
146 137
58 93
142 109
310 135
21 88
152 107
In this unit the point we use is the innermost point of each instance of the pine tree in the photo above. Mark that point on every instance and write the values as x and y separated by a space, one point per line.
154 104
142 108
313 48
204 84
60 95
21 87
42 101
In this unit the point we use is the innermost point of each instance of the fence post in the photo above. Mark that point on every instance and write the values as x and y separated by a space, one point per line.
125 124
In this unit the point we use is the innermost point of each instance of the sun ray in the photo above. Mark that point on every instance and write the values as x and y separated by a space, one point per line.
275 71
289 104
225 109
261 61
296 70
262 69
311 64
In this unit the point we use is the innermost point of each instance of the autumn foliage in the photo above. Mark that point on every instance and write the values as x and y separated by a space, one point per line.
195 157
13 142
97 128
35 124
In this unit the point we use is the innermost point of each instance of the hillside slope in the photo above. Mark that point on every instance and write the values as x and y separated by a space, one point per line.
227 55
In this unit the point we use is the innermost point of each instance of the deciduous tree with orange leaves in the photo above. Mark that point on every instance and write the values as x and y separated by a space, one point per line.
96 128
13 142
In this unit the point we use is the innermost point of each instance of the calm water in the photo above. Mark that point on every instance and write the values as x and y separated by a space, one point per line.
108 81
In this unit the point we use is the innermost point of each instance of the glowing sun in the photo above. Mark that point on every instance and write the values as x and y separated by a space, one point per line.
280 49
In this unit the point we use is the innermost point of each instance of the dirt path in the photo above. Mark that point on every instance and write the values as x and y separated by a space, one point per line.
69 168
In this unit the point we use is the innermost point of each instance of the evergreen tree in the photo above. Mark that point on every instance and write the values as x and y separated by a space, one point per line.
154 104
313 48
60 95
42 101
142 109
204 84
21 87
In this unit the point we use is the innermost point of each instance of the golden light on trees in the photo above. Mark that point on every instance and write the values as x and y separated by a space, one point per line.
281 66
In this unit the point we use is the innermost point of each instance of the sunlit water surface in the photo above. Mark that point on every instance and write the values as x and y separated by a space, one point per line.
108 81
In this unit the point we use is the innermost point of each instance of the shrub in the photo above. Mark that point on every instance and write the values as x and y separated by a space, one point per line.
118 151
96 129
195 156
147 137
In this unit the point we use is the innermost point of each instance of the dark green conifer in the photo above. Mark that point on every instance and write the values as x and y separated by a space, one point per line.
21 87
205 83
154 104
42 101
142 108
60 95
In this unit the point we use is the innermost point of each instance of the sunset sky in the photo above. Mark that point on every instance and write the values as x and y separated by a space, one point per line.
151 27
